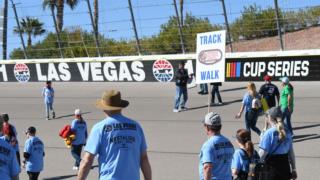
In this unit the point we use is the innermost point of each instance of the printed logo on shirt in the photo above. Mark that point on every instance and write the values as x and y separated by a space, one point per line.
163 70
21 72
120 126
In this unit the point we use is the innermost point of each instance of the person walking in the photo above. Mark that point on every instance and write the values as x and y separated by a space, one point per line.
48 95
269 92
214 92
79 127
181 88
287 102
250 103
276 148
33 154
216 153
243 156
203 89
118 141
10 135
10 169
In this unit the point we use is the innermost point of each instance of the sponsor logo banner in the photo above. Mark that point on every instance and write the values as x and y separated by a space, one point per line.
210 57
306 68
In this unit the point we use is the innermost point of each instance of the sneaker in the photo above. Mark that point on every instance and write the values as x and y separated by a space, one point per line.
75 168
200 92
205 93
175 110
47 118
183 108
53 115
220 103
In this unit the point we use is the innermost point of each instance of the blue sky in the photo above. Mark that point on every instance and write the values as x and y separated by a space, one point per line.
150 14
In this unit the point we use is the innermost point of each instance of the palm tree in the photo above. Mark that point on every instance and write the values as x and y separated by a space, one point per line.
181 11
96 14
31 27
59 6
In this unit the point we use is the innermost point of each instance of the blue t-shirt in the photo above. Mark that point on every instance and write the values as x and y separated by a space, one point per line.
35 148
270 141
217 150
119 142
9 166
247 101
241 160
80 129
48 94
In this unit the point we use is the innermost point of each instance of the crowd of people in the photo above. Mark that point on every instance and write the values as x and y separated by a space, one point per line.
121 147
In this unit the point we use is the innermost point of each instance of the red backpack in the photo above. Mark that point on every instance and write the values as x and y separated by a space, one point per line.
65 131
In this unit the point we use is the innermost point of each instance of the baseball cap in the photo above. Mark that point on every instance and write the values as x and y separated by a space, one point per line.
212 119
31 130
267 78
285 80
77 112
274 112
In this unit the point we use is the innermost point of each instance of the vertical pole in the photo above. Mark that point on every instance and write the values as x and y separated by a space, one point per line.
278 24
20 32
209 94
227 24
5 30
96 38
56 28
180 29
134 27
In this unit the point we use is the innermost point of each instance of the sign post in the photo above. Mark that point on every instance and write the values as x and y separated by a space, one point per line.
210 65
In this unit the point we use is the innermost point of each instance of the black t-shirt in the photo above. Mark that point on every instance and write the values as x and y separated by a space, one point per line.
182 77
269 92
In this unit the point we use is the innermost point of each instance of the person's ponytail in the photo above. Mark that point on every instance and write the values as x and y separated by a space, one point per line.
249 148
280 129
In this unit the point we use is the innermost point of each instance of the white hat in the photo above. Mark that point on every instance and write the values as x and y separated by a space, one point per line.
285 80
212 119
77 112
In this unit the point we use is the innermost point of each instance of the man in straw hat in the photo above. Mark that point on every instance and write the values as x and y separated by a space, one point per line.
119 142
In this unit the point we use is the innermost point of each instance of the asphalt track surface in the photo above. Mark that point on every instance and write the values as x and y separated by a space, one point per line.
174 139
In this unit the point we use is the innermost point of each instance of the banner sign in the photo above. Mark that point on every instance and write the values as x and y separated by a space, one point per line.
303 68
160 70
210 57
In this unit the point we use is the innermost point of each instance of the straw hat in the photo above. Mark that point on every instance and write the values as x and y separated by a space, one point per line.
111 100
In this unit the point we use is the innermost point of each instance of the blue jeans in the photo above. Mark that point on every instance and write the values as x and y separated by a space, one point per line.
286 116
76 153
181 91
204 88
251 117
215 90
49 108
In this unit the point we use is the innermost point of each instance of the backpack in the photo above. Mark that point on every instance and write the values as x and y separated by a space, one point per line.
65 131
256 103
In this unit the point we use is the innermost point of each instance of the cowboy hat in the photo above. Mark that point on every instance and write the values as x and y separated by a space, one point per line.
111 100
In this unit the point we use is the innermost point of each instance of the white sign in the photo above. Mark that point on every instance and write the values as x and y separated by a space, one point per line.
211 57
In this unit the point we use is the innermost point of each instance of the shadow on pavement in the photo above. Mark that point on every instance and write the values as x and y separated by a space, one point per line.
233 89
206 106
306 137
306 127
60 177
69 115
